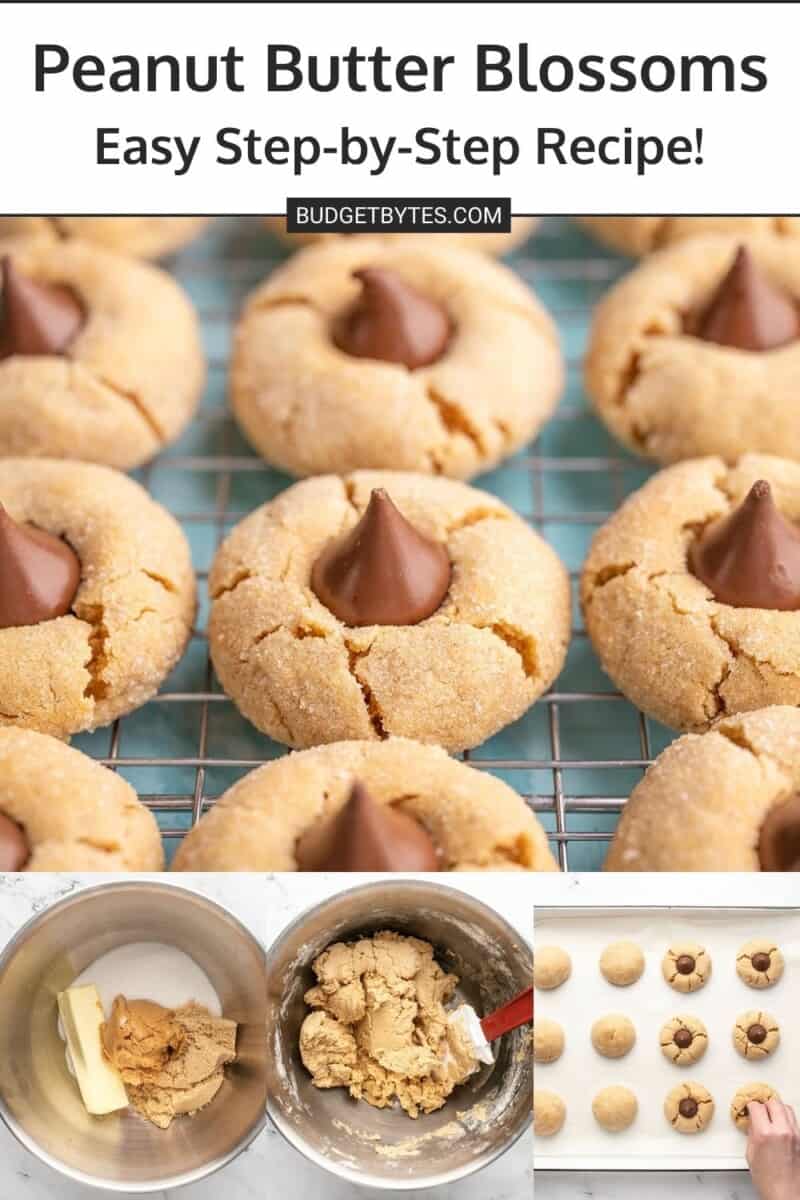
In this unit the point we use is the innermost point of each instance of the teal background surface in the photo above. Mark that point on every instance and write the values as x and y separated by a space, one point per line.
579 751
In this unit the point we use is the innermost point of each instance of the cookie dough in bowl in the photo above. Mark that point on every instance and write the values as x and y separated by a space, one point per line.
61 811
402 355
697 351
726 800
97 595
141 237
691 591
638 236
383 604
486 243
280 816
100 356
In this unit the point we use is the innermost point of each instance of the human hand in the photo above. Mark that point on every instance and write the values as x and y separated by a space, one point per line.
773 1150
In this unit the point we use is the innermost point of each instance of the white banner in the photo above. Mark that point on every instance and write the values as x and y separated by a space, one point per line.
563 108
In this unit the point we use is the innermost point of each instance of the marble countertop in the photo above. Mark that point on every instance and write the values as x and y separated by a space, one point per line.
265 903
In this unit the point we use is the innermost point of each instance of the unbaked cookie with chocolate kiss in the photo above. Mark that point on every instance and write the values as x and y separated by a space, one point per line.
386 603
367 806
486 243
100 356
697 351
727 800
639 236
402 355
61 811
97 595
691 591
140 237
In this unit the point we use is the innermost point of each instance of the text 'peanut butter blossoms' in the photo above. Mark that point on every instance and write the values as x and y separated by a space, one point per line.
697 350
692 590
100 356
368 353
386 603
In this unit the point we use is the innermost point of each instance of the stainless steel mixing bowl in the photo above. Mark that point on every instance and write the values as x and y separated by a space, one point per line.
384 1148
39 1100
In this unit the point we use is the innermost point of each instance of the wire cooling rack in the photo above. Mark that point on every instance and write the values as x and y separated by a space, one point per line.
576 755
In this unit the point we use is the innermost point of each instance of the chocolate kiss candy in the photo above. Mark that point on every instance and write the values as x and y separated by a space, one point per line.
688 1107
757 1034
14 848
367 836
39 574
393 322
383 572
761 961
685 964
747 311
683 1038
779 846
36 318
751 559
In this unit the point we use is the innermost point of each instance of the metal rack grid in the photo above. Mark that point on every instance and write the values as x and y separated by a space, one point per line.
576 755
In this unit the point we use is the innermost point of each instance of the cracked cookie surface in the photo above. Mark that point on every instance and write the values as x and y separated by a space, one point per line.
128 383
756 1034
309 407
689 1108
683 1040
675 651
686 966
132 614
476 822
642 235
300 675
702 804
141 237
760 1092
77 815
486 243
760 963
671 396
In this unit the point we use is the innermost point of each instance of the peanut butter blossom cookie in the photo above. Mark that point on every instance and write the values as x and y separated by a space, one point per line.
689 1108
487 243
97 595
691 591
683 1040
60 811
642 235
727 800
142 237
686 966
367 353
386 603
697 351
100 356
760 963
761 1093
756 1034
367 806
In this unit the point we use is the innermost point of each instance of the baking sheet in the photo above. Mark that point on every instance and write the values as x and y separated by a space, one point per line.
650 1143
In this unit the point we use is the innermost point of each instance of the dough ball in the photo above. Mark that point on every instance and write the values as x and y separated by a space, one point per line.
549 1112
756 1034
689 1108
613 1036
622 963
759 963
686 966
552 966
615 1108
760 1092
548 1040
683 1040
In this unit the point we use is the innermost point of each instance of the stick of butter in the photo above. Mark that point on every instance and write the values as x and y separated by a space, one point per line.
82 1015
